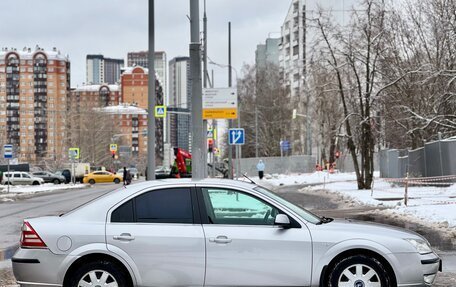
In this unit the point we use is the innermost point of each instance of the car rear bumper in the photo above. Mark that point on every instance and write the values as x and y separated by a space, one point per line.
32 267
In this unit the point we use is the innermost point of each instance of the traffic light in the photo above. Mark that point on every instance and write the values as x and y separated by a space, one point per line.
337 154
210 145
113 153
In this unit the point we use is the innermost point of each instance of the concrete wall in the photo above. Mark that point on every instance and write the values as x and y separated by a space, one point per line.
282 165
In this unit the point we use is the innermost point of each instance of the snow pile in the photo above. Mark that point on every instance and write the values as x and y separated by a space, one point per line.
16 190
432 204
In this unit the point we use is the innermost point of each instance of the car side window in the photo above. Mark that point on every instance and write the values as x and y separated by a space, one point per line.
225 206
25 175
158 206
18 175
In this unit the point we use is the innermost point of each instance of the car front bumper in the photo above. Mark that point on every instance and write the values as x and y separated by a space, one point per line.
417 270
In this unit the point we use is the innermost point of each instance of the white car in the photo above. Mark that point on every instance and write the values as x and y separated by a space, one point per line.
213 233
20 178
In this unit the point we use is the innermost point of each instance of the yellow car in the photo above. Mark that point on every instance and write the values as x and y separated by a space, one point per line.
101 176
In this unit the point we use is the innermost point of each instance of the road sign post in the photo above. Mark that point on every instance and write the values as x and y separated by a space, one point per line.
236 136
8 154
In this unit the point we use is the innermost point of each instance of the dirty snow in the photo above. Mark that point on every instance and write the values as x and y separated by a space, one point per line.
431 204
20 190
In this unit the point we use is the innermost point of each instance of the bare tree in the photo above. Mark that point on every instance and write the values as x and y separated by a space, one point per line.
265 111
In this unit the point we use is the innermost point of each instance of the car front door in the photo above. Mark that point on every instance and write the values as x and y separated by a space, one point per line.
245 248
161 232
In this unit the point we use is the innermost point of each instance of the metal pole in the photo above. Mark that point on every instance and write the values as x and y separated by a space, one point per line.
9 175
199 153
214 129
256 132
230 150
205 86
151 96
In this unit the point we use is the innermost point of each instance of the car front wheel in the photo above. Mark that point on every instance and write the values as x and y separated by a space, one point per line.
36 183
99 273
56 181
359 271
116 180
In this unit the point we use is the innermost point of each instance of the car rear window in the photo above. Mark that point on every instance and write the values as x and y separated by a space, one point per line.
158 206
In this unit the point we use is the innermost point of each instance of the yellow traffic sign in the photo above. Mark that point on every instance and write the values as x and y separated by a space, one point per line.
73 153
160 111
220 113
113 147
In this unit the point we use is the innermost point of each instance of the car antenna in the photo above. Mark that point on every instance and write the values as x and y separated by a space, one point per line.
251 181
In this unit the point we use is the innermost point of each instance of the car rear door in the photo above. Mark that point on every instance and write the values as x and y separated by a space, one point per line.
245 248
160 231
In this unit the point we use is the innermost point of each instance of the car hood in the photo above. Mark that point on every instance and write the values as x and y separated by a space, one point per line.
370 228
341 231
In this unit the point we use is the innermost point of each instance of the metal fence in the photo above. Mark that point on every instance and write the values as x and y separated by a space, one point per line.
434 159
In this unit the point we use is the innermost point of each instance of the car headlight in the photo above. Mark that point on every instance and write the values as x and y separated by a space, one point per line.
422 246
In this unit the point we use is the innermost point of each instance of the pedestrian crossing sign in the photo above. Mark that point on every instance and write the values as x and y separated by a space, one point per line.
73 153
160 111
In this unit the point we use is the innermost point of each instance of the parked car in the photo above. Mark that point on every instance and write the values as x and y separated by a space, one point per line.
50 177
214 233
102 176
20 178
133 171
65 173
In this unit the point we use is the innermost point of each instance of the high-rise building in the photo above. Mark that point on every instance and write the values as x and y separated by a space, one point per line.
101 70
267 53
293 49
134 91
142 59
180 102
34 88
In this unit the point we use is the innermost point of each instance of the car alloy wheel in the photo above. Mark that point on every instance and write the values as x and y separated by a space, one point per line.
359 275
359 271
98 278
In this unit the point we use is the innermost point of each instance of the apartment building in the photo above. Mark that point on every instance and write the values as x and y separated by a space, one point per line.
101 70
34 84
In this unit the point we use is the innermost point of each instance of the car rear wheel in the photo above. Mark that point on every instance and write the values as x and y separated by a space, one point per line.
116 180
99 273
56 181
359 271
92 181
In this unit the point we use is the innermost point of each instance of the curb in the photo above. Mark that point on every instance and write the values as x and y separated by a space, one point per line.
8 252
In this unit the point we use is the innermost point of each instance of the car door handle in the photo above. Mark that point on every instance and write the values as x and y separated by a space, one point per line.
124 237
220 239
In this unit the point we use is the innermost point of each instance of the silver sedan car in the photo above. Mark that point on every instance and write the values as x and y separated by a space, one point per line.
214 233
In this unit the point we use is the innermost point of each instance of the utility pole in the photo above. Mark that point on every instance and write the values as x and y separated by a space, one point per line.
230 150
256 132
199 154
151 95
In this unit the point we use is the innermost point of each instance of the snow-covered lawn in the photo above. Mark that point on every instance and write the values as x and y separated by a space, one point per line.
433 204
18 190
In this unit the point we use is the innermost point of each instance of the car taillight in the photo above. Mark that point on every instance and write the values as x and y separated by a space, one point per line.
29 237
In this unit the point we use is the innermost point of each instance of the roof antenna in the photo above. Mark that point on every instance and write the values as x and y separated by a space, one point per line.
249 179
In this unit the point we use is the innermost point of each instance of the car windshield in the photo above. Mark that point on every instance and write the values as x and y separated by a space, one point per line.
305 214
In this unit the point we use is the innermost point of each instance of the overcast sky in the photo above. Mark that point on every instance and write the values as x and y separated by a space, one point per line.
115 27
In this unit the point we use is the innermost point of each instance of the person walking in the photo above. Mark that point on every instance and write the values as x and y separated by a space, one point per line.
260 168
125 175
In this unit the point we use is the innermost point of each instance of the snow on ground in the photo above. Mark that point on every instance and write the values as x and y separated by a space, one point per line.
18 190
432 204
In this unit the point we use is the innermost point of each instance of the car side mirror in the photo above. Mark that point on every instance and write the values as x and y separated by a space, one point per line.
282 220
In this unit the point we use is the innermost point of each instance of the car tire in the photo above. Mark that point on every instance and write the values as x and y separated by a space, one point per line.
364 270
104 270
36 183
92 181
116 181
56 181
